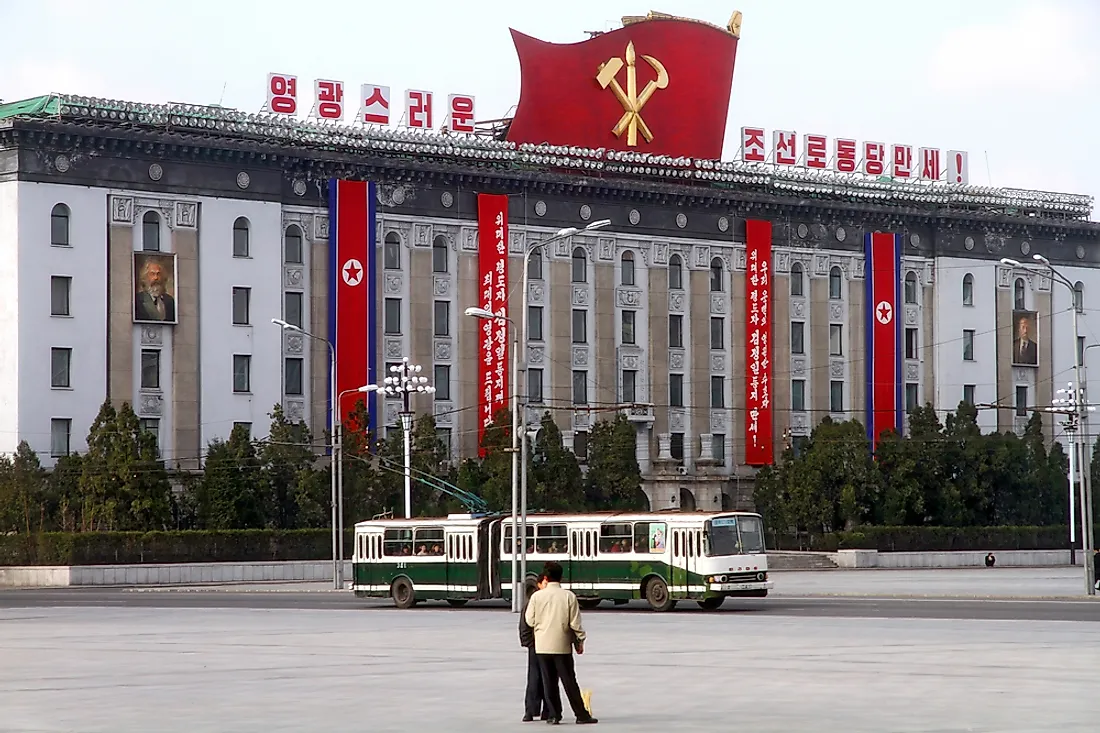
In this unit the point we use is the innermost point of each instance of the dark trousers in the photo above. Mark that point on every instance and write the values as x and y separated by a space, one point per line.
556 667
533 699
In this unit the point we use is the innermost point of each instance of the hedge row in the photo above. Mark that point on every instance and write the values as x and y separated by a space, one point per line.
259 545
932 539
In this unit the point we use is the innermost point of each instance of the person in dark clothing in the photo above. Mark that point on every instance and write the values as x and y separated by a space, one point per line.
1096 569
533 700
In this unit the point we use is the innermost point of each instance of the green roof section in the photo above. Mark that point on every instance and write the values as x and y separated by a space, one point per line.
34 107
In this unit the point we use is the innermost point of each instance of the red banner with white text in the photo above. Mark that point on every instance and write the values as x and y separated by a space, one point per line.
492 226
758 344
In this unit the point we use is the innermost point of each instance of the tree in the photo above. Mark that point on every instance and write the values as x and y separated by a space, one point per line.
232 491
288 459
428 459
22 492
614 479
555 482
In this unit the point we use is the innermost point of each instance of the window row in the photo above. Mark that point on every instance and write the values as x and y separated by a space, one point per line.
718 446
293 307
553 539
391 253
798 281
627 270
61 431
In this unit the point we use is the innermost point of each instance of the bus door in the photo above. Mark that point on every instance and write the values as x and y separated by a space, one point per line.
583 549
677 585
461 576
368 554
694 541
489 560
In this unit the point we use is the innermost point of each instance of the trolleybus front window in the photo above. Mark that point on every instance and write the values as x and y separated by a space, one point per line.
735 536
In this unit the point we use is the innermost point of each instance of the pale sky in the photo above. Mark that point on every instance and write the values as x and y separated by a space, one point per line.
1014 82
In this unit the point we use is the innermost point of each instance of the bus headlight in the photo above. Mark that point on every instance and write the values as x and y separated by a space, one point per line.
761 576
721 578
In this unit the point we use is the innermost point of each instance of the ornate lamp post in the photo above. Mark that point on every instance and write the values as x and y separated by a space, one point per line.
404 380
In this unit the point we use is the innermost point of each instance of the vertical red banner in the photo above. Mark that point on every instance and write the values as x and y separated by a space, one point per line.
758 344
492 227
883 277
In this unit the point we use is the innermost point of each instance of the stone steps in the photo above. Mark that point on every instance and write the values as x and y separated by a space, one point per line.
800 561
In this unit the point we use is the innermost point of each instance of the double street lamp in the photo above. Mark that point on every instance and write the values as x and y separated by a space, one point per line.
520 433
404 380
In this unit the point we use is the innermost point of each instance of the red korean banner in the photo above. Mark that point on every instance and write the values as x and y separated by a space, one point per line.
492 227
758 343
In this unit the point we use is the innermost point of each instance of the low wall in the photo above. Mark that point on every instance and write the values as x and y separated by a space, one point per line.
174 574
961 559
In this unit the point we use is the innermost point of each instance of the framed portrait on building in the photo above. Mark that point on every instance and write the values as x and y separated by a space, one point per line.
154 287
1025 338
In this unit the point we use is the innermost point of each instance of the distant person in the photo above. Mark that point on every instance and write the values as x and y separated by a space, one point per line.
1096 568
555 616
534 699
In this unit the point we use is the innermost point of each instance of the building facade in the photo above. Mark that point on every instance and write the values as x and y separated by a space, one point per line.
103 203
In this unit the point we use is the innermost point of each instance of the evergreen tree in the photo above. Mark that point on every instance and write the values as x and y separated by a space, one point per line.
554 481
288 459
232 493
614 480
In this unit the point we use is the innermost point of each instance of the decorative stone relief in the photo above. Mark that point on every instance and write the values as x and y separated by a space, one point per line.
442 349
447 199
517 242
912 371
628 297
534 416
389 412
717 421
293 343
320 227
294 277
836 311
740 258
676 301
295 410
635 217
681 220
535 354
717 303
299 188
718 362
798 367
563 247
664 447
723 224
781 262
660 253
468 238
631 361
929 275
444 413
540 208
581 420
1021 374
857 268
392 283
911 315
676 420
606 249
821 265
187 215
151 404
798 308
702 256
1044 284
586 212
706 447
535 292
243 180
62 163
836 368
676 359
122 210
394 347
580 295
580 356
422 235
152 335
442 285
798 424
1004 277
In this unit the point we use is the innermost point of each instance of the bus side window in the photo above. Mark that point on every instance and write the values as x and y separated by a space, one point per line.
398 542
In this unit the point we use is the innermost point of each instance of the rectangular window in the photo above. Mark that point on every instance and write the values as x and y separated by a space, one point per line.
442 382
675 331
391 316
617 538
292 303
718 447
61 363
580 326
911 397
676 390
798 395
59 226
151 425
580 446
442 318
240 239
292 376
717 333
676 446
911 343
718 392
836 396
1021 401
968 393
580 387
630 386
292 249
245 426
836 339
534 322
242 373
150 369
968 345
60 291
397 542
798 337
241 298
628 327
60 430
534 386
444 435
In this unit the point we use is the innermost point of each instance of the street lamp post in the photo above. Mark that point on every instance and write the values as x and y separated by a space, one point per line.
337 564
340 470
405 380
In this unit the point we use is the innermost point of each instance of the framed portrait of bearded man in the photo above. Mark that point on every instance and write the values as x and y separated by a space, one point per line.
154 287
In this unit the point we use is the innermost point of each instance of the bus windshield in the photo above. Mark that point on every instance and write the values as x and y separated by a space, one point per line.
735 536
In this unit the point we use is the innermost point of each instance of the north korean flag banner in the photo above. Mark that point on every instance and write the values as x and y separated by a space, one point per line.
492 225
758 346
883 282
353 302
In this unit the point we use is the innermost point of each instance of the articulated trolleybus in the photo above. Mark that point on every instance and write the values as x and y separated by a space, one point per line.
660 557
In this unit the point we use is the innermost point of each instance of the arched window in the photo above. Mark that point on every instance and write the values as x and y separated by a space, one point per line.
391 252
580 265
534 265
968 289
292 246
240 237
150 232
675 273
628 268
911 288
835 280
1079 296
59 226
1018 295
716 275
796 279
439 254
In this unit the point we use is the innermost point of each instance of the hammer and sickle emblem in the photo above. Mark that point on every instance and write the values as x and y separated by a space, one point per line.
632 102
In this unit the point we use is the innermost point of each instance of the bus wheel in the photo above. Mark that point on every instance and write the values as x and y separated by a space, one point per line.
656 593
711 604
402 593
588 603
457 602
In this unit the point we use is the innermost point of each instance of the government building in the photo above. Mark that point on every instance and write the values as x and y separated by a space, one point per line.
147 248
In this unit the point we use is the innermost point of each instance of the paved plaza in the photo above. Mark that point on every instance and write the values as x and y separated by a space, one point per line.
119 669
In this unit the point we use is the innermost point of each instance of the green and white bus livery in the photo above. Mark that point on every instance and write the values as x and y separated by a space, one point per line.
660 557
